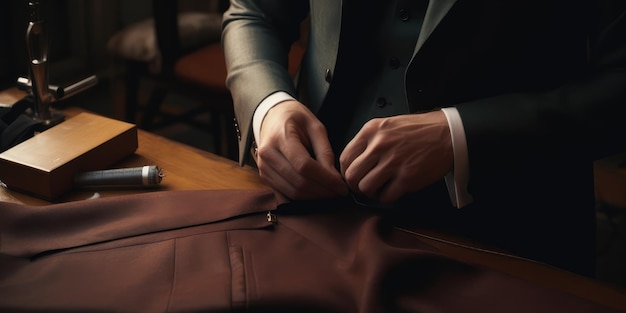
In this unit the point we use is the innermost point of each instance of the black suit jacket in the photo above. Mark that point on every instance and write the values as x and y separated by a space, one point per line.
540 87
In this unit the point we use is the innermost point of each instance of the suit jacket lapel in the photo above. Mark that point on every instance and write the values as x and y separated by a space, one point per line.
437 9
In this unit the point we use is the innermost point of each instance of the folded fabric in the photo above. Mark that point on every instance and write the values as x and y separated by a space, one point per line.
15 125
237 250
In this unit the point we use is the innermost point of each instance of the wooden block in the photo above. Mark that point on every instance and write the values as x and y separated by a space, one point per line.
45 165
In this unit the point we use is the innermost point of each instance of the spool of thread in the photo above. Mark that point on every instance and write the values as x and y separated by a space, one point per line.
148 175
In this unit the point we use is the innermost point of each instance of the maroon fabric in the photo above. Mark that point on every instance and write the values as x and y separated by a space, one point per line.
216 251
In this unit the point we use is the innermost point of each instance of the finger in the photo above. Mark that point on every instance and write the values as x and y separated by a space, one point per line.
286 179
358 169
392 191
323 154
353 149
320 144
312 171
375 181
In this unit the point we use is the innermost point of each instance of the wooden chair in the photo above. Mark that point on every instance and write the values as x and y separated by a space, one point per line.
196 70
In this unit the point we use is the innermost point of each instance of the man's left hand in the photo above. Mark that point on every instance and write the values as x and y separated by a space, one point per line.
393 156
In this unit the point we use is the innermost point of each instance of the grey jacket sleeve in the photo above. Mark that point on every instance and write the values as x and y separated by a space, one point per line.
256 39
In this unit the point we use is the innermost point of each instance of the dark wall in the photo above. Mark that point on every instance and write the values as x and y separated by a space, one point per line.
79 31
7 65
13 24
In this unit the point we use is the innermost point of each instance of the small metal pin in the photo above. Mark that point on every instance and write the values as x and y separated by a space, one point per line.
271 217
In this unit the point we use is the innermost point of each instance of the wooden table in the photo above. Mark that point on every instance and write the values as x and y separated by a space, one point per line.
185 168
188 168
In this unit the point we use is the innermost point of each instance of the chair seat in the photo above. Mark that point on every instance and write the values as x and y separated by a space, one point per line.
206 66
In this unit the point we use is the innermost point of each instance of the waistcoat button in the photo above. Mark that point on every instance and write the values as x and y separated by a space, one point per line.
382 102
404 15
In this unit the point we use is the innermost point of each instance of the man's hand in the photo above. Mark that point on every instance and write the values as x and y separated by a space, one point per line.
393 156
295 156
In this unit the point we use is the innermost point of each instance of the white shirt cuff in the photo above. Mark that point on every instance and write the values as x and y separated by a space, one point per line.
457 180
264 107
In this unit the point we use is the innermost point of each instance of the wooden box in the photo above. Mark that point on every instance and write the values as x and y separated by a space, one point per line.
45 165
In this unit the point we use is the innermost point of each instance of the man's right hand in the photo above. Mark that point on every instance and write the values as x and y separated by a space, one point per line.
294 155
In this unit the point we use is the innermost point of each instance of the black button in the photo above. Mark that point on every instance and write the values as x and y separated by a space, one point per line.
328 76
404 15
394 63
382 102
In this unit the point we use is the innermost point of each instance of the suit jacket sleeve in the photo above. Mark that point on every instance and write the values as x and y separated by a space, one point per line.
576 121
256 39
